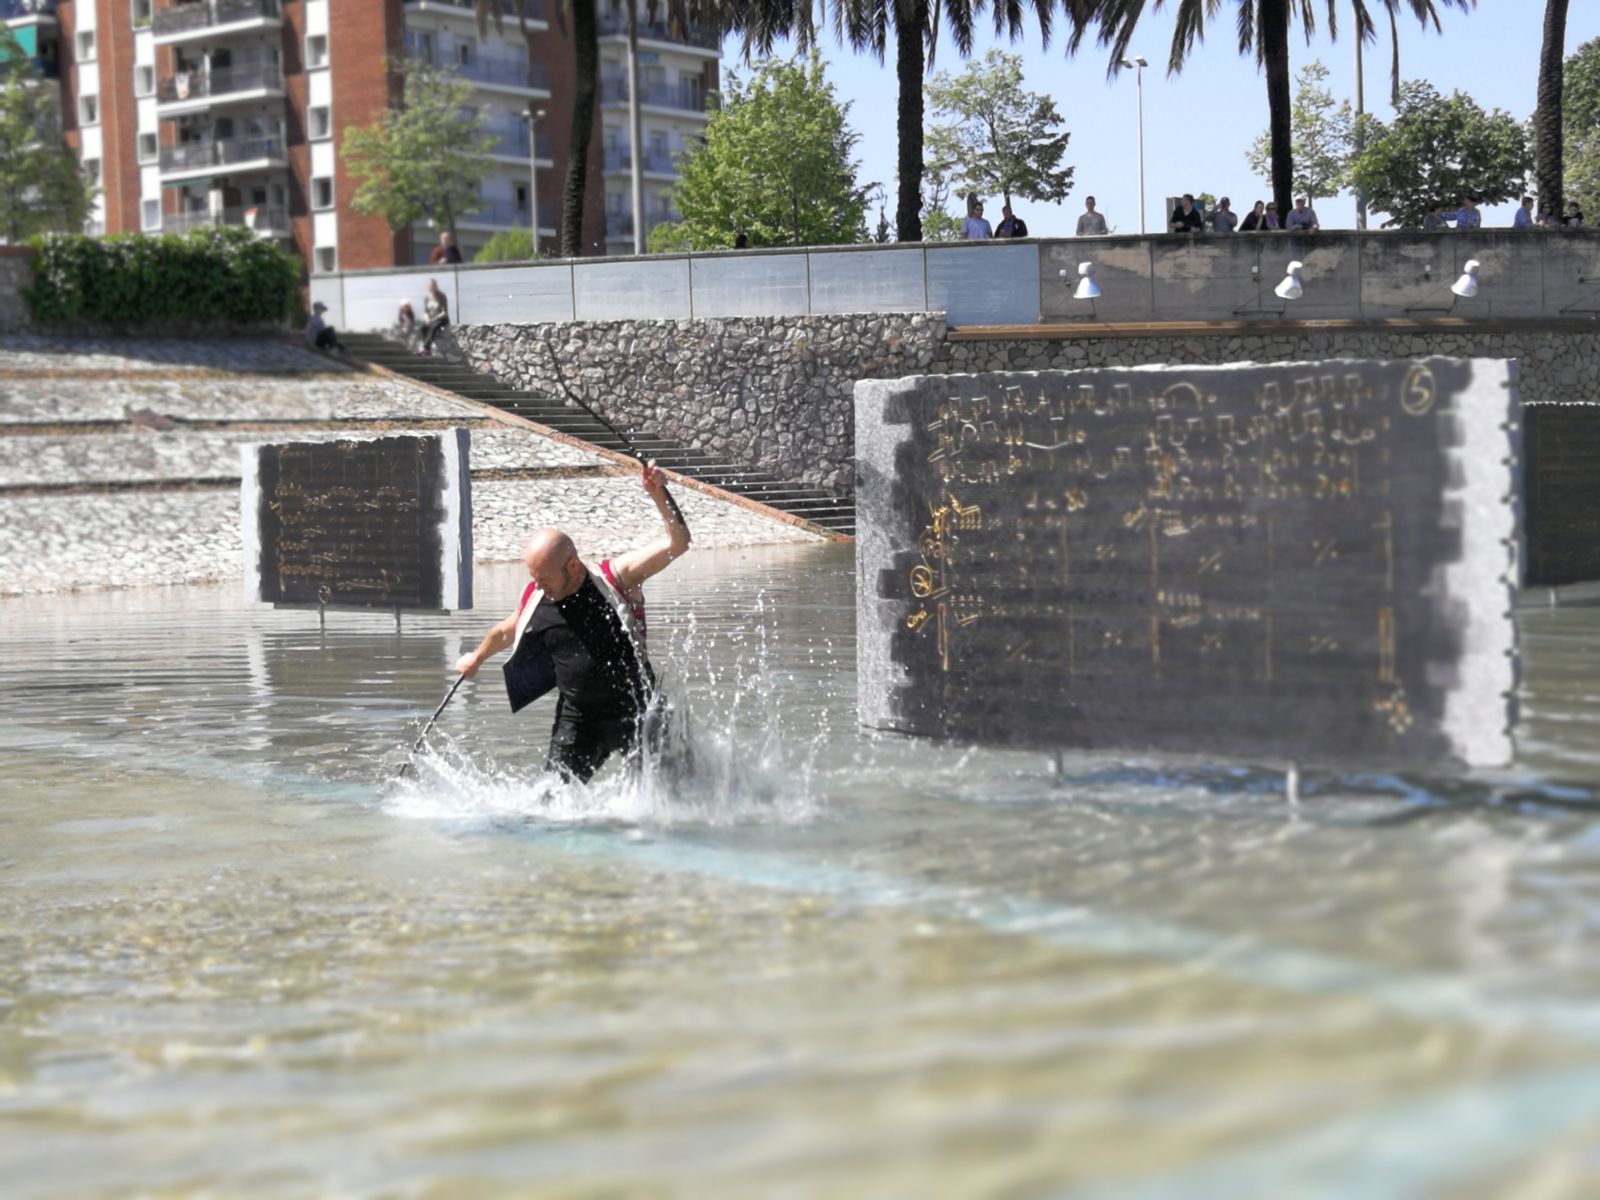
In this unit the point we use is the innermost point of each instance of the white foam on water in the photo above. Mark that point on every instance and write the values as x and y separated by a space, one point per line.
727 756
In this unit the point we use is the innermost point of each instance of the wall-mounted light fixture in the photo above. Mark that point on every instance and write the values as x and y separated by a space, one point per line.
1467 285
1087 289
1293 286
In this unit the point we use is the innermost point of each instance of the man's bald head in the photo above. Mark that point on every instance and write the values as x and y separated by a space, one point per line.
550 557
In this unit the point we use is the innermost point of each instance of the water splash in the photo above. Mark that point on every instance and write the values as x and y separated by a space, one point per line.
728 751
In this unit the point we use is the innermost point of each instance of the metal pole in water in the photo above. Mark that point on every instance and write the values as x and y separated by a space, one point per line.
428 728
1291 785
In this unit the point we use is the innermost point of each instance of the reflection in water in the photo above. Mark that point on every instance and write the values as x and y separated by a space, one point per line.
236 956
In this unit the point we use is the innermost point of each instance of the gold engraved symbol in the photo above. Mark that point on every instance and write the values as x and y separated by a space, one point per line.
1418 392
1077 499
1386 645
1210 564
1323 645
917 620
1395 709
1324 550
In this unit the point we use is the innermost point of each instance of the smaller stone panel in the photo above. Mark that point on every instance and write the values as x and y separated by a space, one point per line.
1309 562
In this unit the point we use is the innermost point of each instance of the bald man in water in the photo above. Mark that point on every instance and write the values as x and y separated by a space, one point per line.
582 632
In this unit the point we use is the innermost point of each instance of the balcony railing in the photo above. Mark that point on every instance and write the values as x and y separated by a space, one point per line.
531 76
205 14
615 91
191 155
510 141
261 219
622 160
198 84
533 8
15 10
507 214
694 35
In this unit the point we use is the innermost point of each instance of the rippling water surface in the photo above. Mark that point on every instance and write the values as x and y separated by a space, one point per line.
236 959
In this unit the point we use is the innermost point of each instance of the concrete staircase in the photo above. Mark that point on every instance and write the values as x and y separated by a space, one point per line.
832 513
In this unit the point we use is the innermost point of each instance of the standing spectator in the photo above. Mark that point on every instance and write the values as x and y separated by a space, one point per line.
406 323
446 251
1271 219
1468 216
1090 223
1186 217
436 316
1303 219
1010 226
975 228
319 333
1524 217
1574 217
1255 220
1224 220
1434 221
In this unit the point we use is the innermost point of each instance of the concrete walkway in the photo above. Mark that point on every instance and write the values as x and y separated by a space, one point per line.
119 461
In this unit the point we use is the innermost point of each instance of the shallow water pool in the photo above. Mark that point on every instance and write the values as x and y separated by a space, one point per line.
237 959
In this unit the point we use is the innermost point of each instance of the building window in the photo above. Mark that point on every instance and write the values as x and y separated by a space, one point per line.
322 193
144 81
149 150
317 50
320 122
91 172
152 214
141 12
88 110
327 260
85 45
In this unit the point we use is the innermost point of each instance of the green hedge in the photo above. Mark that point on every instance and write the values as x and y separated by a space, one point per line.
210 277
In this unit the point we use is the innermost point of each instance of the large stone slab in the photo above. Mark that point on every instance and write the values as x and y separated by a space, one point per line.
1308 562
381 522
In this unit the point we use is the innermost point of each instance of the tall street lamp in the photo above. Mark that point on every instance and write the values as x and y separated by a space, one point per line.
1138 65
534 115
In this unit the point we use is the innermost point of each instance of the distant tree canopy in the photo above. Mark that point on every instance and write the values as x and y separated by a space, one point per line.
42 188
1320 138
989 137
1440 150
775 166
422 160
1580 103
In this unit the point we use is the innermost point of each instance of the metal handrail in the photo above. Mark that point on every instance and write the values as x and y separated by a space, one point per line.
260 218
615 91
188 155
660 31
182 18
199 84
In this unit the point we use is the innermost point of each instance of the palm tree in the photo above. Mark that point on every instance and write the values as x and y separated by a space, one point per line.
1263 28
1547 131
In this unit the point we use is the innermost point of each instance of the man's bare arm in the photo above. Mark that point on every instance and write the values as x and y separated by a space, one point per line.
634 567
496 640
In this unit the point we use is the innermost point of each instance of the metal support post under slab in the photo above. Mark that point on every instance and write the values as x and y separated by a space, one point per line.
1291 785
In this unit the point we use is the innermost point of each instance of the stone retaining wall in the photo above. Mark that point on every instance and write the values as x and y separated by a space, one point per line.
774 392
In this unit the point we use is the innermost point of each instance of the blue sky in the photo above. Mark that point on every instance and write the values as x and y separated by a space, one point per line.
1198 125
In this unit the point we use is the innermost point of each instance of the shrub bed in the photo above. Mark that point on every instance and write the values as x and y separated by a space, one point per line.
213 278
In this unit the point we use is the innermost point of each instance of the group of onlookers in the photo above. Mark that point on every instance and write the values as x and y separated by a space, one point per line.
1528 218
418 336
976 229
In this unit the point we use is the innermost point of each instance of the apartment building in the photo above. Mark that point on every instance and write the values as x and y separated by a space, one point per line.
191 113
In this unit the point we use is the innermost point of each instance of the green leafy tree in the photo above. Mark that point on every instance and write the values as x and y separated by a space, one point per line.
1581 122
42 189
1263 29
994 138
509 245
939 224
421 160
775 166
1322 138
1440 150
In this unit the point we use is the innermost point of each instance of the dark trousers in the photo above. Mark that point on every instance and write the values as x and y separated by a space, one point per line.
328 339
578 747
431 331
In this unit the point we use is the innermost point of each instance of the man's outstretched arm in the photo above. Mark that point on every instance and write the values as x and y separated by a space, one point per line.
496 640
634 567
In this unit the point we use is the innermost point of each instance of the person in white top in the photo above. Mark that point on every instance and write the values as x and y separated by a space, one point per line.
975 228
1090 223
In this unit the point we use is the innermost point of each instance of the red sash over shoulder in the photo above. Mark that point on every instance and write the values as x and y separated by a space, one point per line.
636 607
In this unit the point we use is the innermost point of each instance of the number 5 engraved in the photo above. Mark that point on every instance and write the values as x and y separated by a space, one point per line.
1418 393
